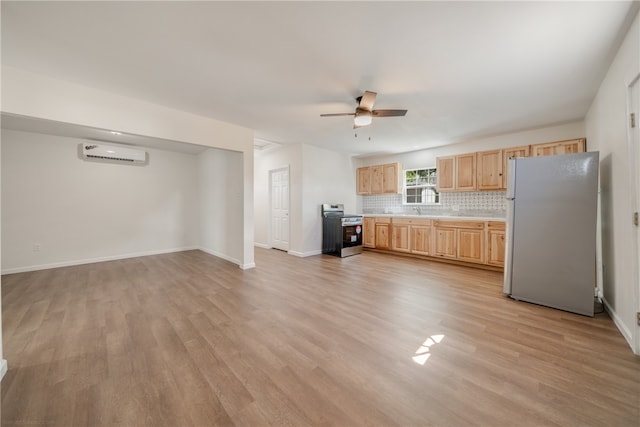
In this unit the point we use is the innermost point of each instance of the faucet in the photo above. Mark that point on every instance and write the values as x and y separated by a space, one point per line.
417 209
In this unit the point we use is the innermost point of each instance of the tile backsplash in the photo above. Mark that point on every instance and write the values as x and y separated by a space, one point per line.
473 203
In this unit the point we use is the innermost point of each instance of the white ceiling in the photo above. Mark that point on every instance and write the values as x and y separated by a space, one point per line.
464 70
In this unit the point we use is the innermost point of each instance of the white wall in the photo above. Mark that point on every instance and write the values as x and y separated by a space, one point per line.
220 190
80 211
606 131
316 176
328 177
264 162
28 94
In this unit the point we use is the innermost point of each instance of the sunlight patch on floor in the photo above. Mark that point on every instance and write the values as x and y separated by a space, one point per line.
423 353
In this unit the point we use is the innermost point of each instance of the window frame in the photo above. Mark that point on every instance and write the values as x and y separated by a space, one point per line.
431 177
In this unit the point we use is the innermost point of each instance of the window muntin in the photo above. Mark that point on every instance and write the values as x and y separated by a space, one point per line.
419 187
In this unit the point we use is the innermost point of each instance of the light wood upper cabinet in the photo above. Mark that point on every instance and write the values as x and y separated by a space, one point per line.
569 146
369 232
445 170
456 173
495 243
376 179
400 237
363 180
507 154
466 172
391 178
379 179
489 167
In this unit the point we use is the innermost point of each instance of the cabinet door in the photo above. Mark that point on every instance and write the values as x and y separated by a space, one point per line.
377 178
507 154
400 238
571 146
470 245
445 171
420 239
363 180
445 242
495 255
559 147
465 173
489 167
369 233
382 236
390 177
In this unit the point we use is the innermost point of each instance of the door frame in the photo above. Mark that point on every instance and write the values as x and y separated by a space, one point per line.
633 146
271 172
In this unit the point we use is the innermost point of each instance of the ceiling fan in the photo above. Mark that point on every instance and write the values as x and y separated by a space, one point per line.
364 111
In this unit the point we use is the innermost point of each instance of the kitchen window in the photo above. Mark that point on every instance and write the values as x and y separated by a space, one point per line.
419 187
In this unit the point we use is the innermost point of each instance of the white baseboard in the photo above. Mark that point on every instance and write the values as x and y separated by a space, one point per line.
93 260
305 254
248 266
3 368
626 333
221 255
261 245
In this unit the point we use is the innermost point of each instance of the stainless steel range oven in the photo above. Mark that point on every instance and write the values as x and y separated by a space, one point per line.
341 234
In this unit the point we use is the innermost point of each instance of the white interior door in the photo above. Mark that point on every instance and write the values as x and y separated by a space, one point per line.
280 209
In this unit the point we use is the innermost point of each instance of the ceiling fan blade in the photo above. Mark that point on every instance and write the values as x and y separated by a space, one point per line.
388 113
337 114
367 100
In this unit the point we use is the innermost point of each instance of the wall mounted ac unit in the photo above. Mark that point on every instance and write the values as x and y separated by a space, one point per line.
112 153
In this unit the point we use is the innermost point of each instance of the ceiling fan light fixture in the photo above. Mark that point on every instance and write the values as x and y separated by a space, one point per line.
363 118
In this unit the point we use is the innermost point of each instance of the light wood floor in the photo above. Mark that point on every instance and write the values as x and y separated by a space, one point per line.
188 339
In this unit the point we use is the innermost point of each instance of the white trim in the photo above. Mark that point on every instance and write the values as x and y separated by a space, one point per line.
126 256
3 368
305 254
261 245
626 333
223 256
248 266
94 260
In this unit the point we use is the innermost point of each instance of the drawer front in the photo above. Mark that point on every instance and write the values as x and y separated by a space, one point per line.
383 220
479 225
495 225
411 221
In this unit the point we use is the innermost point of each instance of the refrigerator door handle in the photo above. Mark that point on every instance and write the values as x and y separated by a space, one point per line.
510 197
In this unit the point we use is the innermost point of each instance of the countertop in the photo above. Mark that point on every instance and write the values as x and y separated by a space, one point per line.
431 216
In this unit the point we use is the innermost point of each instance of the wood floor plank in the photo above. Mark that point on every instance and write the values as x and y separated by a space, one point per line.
188 339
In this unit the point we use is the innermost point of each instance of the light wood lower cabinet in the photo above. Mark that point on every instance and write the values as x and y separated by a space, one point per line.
495 243
383 233
470 245
461 240
477 242
421 239
369 232
445 242
400 237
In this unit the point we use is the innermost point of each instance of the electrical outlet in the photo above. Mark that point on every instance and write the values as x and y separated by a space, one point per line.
36 246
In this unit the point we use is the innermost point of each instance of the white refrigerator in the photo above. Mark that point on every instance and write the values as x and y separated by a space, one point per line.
550 243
